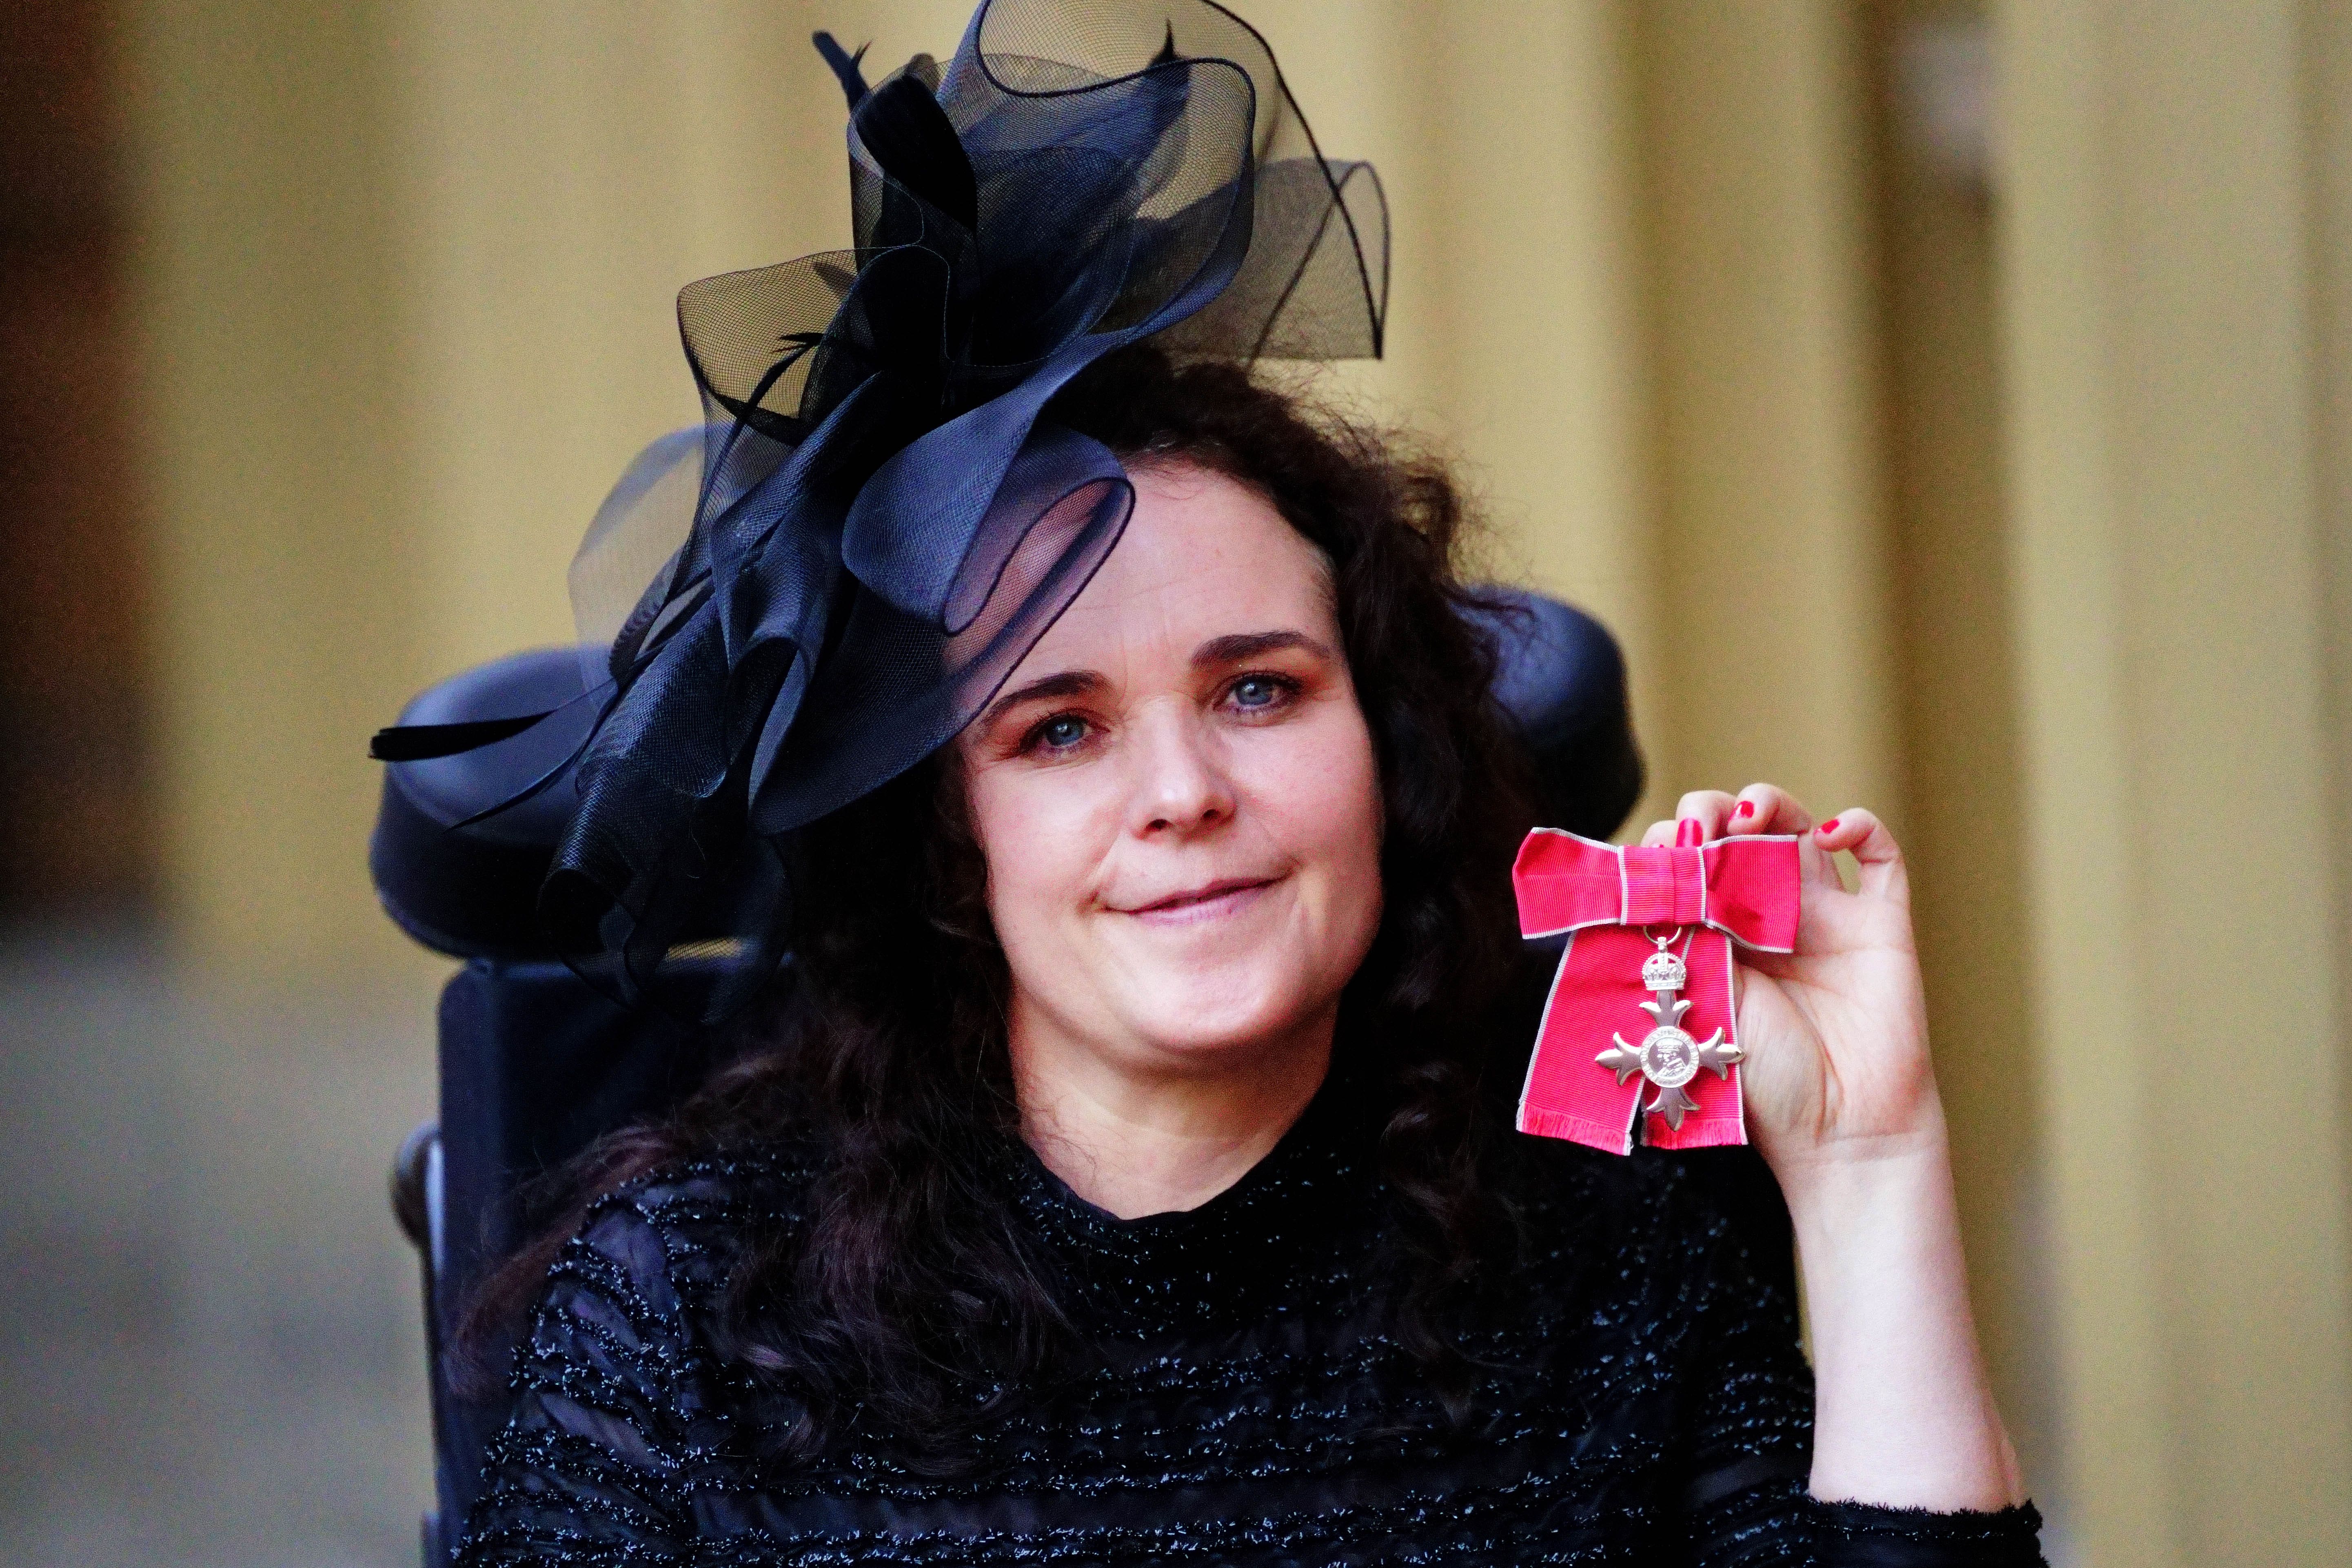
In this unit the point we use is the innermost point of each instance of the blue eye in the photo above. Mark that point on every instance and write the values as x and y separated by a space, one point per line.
1257 691
1062 731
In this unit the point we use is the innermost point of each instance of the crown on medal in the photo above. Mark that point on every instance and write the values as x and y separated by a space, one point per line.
1663 971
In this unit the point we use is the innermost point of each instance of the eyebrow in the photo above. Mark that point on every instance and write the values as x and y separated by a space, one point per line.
1067 683
1243 645
1230 649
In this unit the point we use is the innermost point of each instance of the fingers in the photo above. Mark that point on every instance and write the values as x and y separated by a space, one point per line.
1710 808
1759 808
1874 851
1769 808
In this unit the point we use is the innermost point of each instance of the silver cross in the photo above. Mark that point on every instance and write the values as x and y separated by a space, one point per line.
1668 1055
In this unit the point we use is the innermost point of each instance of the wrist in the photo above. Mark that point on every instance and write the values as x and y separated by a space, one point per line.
1857 1181
1869 1228
1904 1413
1848 1169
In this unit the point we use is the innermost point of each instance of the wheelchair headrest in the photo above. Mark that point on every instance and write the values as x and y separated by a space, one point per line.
468 885
465 887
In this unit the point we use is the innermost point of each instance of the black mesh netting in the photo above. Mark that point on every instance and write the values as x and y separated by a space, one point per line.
875 525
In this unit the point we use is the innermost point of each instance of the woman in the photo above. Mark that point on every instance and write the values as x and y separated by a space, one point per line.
1125 1173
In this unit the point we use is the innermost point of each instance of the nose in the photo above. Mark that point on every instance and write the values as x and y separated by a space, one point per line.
1180 785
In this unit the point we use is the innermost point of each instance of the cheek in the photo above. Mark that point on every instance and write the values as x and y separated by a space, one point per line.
1320 791
1041 839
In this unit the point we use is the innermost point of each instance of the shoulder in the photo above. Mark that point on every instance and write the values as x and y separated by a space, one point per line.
627 1289
615 1405
663 1241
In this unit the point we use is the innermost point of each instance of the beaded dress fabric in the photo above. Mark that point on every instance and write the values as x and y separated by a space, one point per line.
1642 1398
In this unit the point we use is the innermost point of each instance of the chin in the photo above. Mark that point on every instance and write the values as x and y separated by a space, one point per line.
1194 1015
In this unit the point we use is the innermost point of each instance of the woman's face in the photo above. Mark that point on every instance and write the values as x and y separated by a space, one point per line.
1176 793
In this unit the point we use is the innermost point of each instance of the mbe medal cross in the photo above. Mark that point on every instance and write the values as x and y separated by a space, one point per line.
1668 1055
1649 930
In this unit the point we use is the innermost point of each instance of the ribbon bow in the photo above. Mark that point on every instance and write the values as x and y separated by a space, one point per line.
1615 904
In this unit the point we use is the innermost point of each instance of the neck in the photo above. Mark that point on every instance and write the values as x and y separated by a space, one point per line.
1140 1137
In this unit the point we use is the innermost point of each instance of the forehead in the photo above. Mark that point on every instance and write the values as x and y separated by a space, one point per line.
1203 556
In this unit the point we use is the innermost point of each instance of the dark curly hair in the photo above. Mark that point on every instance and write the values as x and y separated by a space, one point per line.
908 1290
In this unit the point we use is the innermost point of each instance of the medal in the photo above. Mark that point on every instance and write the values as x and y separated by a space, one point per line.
1657 923
1668 1056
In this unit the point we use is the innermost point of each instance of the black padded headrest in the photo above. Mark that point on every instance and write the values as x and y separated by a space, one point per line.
469 888
1561 680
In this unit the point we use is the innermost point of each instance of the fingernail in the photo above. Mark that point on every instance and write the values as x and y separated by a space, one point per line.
1826 828
1688 834
1744 808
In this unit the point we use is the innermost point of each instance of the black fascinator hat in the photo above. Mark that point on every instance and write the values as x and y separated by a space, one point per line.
796 603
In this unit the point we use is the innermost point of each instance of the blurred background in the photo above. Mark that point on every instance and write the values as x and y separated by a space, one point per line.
1949 405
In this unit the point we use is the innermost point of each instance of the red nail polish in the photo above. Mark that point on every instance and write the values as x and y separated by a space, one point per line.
1744 808
1827 827
1688 834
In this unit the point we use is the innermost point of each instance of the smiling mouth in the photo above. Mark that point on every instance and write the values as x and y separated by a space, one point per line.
1207 903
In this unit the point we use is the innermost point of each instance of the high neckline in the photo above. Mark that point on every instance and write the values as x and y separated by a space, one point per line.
1189 1269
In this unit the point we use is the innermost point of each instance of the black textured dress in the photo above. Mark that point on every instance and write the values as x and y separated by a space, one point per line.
1648 1401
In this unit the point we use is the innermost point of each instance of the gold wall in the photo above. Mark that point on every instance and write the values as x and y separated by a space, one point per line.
2012 502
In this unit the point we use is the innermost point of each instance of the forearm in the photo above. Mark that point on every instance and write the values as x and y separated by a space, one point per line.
1904 1413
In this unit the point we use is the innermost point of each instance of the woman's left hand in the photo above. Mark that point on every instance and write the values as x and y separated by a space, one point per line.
1834 1034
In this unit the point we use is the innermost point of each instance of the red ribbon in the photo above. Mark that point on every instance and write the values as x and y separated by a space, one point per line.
1741 889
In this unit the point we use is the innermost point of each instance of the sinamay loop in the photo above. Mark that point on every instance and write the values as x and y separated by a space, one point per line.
876 524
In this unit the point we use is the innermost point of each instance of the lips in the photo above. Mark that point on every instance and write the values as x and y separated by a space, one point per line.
1207 901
